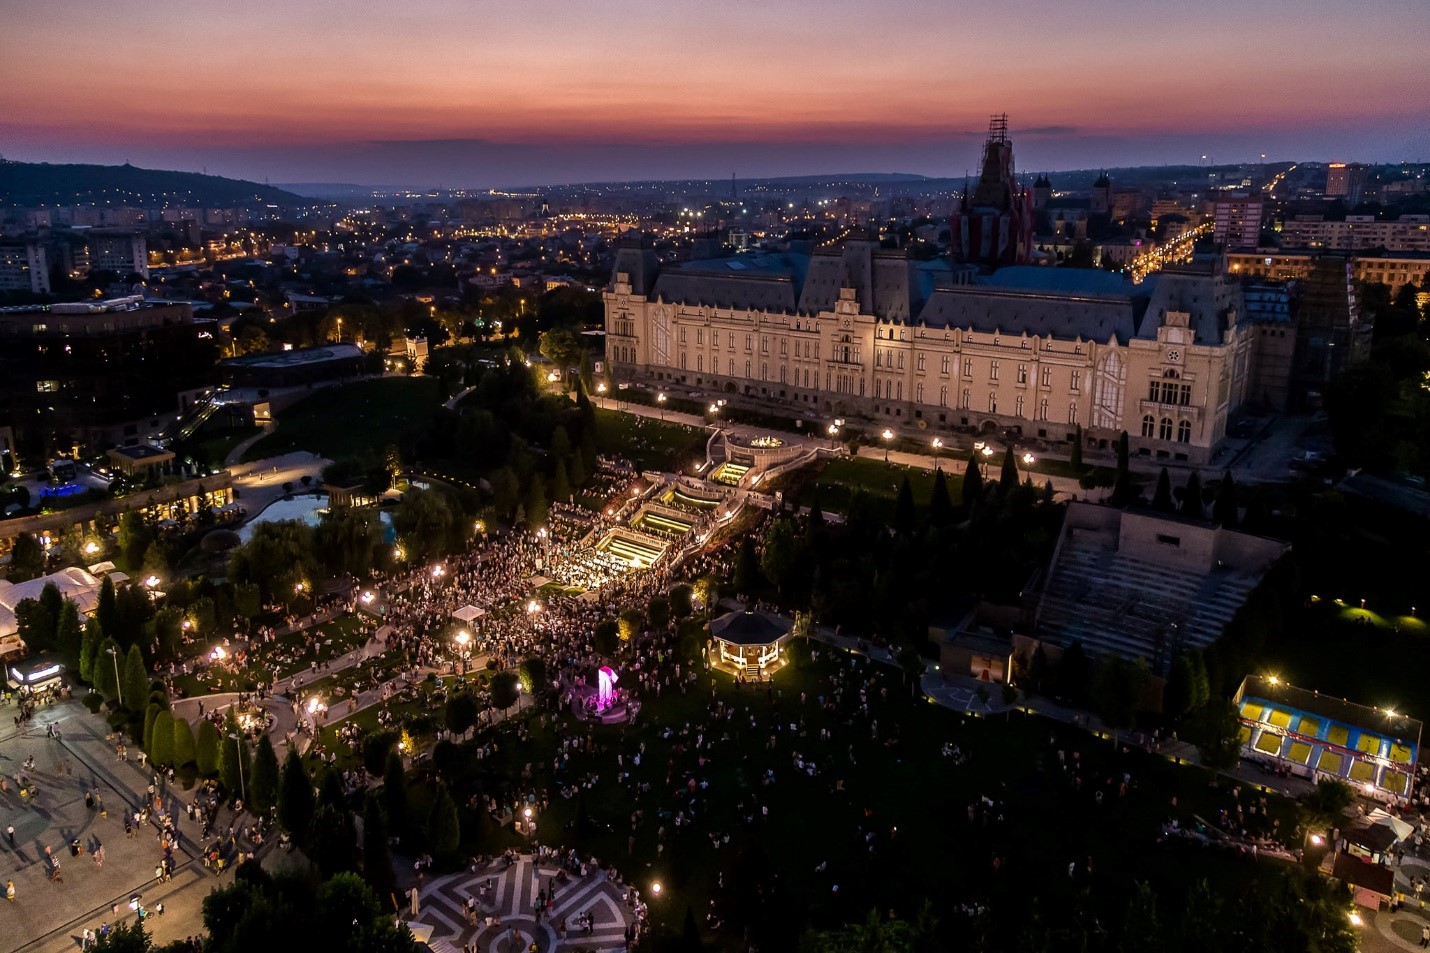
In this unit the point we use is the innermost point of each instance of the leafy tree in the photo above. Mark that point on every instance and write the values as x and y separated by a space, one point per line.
1162 497
1177 696
206 750
89 648
124 938
505 690
1117 688
161 740
169 630
446 831
747 572
1323 806
185 747
134 538
658 612
263 785
607 636
680 601
233 760
461 713
1217 732
1224 510
537 511
905 517
295 797
560 445
277 556
156 562
333 841
972 490
27 559
68 632
1141 928
532 675
136 680
780 561
35 624
247 600
629 623
560 484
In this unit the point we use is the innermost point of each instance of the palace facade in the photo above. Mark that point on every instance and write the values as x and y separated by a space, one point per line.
855 330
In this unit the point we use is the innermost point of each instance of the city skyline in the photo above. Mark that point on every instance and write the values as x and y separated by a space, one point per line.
439 93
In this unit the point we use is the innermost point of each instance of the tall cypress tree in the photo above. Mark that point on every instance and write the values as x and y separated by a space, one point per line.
1122 492
136 680
1008 478
263 785
940 506
1162 499
89 649
108 611
394 793
1192 496
972 491
295 798
376 856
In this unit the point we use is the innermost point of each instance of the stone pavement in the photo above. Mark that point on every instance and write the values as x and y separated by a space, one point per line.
507 894
48 916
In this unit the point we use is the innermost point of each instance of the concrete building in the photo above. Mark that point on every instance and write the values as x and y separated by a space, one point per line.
855 330
1237 221
1345 180
1395 269
24 267
1406 233
123 253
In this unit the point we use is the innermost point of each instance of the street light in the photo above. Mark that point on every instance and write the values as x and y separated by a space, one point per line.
888 436
462 639
118 686
660 399
937 446
1028 459
238 756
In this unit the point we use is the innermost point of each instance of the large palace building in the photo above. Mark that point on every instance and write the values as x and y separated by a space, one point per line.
850 329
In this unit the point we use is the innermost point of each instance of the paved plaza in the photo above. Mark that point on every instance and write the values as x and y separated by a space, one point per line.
506 922
49 915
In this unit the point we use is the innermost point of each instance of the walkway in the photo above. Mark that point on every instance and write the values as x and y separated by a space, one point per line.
235 456
506 895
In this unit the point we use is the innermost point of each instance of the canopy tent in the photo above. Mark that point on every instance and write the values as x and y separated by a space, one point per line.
468 614
99 569
1382 818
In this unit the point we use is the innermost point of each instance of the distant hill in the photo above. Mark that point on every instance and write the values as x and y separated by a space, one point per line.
336 190
41 183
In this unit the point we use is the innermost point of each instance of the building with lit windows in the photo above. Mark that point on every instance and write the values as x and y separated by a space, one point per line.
1406 233
23 267
1237 221
1395 269
851 329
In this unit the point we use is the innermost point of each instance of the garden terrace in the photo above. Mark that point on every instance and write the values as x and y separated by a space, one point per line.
659 521
730 473
631 547
688 498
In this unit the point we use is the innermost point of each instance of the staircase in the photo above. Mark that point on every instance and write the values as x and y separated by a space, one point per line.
187 425
752 671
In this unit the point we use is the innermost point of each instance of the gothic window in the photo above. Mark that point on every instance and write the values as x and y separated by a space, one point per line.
1022 373
901 391
921 363
1047 378
682 335
943 396
1018 408
944 368
699 335
919 393
700 362
901 360
1184 396
993 403
878 358
963 403
784 348
1076 379
1149 426
749 343
1072 412
1184 432
1164 430
1154 391
1043 409
747 368
1107 401
992 370
968 367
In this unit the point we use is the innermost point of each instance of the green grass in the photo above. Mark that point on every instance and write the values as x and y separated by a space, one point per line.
901 783
212 447
344 632
650 444
842 478
351 420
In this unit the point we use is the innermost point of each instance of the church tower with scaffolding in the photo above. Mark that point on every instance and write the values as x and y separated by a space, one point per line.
993 227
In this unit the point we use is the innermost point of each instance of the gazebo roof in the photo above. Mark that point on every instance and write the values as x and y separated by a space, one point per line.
749 627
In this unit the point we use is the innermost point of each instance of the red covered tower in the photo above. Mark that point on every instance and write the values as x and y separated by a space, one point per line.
994 226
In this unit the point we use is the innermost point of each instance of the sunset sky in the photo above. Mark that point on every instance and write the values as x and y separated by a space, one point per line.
500 92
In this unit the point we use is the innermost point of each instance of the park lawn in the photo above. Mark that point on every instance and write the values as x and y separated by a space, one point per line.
910 798
351 420
213 447
840 479
344 632
649 444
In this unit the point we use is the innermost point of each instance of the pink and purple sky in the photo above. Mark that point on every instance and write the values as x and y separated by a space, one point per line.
504 92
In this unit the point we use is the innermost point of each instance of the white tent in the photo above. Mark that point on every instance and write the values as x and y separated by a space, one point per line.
73 583
468 614
1382 817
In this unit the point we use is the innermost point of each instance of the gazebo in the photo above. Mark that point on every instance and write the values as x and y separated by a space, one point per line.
750 641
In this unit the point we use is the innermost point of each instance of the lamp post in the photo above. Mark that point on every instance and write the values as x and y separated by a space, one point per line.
937 446
118 685
238 756
462 639
888 436
660 400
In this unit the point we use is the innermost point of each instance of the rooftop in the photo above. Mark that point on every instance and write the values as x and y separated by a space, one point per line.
309 355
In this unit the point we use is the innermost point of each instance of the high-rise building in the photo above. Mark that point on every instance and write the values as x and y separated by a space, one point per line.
124 253
1407 233
23 267
1236 221
1345 180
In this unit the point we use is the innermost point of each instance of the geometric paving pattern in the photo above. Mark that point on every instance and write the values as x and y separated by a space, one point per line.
511 901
